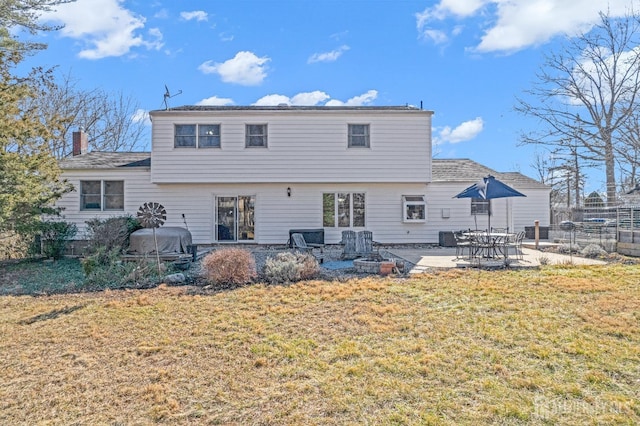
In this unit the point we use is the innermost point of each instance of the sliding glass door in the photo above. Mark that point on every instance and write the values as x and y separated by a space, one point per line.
235 218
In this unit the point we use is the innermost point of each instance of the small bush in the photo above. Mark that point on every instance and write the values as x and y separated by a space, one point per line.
111 233
105 269
17 246
55 236
229 266
568 248
593 250
544 260
290 267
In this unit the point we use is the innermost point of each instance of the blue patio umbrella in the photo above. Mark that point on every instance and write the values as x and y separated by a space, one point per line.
489 188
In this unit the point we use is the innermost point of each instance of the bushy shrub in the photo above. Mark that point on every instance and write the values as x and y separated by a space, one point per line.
105 269
229 266
290 267
111 233
593 250
55 236
17 246
568 248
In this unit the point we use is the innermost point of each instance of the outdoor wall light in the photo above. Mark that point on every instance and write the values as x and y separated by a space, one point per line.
289 192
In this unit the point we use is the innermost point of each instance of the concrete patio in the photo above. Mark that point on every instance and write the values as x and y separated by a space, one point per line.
428 259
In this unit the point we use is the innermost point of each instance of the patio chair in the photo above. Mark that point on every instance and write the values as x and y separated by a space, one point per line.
364 243
515 241
299 244
349 245
463 242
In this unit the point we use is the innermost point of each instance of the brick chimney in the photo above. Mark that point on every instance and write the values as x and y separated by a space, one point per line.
80 143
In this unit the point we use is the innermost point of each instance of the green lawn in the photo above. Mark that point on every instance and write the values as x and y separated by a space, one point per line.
41 277
557 345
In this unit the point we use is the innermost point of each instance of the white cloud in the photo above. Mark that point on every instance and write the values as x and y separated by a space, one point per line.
141 116
328 56
464 132
272 100
216 101
245 69
105 27
309 98
301 99
436 36
359 100
198 15
516 24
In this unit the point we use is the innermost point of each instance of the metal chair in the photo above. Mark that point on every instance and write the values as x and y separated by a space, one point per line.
463 243
515 241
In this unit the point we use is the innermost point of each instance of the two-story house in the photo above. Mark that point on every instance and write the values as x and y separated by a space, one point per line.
250 174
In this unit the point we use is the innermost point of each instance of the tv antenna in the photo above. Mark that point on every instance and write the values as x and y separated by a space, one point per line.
168 95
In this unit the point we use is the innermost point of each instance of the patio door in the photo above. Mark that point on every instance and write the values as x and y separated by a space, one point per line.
235 218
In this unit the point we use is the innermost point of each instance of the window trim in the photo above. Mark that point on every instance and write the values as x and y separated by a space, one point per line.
196 136
103 194
351 135
407 202
336 209
265 135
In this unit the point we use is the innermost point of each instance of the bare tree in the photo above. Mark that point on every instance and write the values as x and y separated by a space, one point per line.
112 122
586 92
628 152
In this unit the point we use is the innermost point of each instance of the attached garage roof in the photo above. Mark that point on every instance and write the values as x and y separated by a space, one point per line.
465 170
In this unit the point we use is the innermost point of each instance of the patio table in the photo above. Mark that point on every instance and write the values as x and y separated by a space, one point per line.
489 245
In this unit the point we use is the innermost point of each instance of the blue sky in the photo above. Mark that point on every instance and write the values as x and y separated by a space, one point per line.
466 60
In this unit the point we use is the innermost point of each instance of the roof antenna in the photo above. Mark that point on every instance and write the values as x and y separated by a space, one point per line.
168 95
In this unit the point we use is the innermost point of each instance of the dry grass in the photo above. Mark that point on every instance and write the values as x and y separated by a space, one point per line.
559 345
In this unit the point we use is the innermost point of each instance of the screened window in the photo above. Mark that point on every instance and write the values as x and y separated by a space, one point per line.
358 135
101 195
90 195
209 136
256 135
480 206
185 136
197 135
414 208
343 210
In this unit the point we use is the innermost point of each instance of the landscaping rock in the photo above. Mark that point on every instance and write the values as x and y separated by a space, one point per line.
175 279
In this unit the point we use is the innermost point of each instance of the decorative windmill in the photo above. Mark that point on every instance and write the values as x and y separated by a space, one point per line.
153 215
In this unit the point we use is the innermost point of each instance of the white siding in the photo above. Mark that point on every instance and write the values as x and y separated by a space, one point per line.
276 213
303 146
514 213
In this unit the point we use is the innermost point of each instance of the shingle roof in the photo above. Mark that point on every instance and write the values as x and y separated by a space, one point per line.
443 170
107 160
465 170
288 108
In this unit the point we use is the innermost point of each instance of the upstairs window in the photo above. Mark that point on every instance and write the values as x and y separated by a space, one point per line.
197 135
480 206
209 136
185 136
102 195
414 208
358 136
256 136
